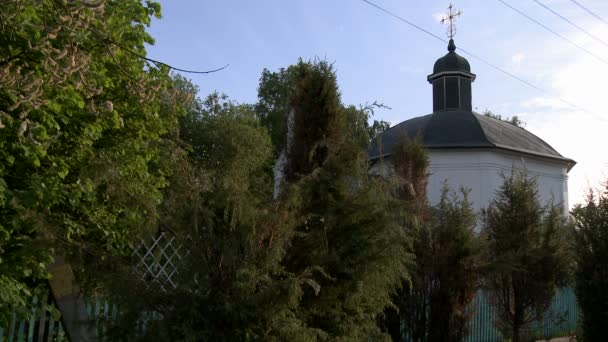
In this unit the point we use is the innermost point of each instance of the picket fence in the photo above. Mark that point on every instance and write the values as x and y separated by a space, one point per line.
40 327
560 321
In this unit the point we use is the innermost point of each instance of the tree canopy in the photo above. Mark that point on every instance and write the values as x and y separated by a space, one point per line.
320 260
591 273
446 279
83 121
527 254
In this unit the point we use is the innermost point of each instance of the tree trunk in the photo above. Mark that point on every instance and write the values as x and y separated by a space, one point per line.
515 333
517 322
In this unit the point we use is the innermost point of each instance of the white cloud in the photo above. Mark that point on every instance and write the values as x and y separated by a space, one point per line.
577 134
518 58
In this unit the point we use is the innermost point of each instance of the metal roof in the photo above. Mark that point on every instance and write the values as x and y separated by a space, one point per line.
464 129
451 61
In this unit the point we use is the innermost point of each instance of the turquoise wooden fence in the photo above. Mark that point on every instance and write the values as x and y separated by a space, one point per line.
40 327
560 321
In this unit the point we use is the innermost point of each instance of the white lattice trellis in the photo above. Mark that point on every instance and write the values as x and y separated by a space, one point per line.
158 260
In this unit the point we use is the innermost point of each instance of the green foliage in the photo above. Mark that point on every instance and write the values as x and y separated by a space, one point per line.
349 223
82 135
319 118
448 257
278 91
378 127
320 262
591 274
514 120
273 104
527 254
411 163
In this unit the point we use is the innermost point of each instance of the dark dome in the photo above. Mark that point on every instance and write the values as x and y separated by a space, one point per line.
451 61
464 130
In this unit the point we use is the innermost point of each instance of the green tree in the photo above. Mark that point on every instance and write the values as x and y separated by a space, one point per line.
448 254
274 102
527 254
591 273
318 261
351 223
409 185
83 121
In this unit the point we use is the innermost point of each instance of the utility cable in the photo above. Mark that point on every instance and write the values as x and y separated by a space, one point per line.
555 33
572 105
570 22
593 14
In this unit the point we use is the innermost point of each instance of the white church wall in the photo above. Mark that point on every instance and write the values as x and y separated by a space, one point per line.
481 170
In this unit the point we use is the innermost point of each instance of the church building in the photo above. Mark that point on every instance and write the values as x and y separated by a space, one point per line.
471 150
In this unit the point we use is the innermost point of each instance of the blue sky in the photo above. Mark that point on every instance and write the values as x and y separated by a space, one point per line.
379 58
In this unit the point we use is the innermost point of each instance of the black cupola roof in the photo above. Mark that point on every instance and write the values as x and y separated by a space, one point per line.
451 80
453 124
452 61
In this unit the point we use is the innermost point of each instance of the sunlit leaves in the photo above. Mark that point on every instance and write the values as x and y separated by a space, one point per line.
82 134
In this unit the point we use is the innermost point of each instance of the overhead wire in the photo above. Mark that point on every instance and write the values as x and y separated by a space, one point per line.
593 14
571 22
157 62
578 46
538 88
128 50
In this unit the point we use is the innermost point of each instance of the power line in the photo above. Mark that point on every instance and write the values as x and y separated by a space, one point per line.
162 63
570 22
111 41
555 33
405 21
589 11
475 56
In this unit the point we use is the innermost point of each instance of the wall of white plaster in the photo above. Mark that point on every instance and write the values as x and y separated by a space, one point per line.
480 171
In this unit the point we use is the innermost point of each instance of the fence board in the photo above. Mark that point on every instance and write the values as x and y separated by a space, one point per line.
561 320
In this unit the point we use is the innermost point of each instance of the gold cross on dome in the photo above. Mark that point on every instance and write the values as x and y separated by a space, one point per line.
449 19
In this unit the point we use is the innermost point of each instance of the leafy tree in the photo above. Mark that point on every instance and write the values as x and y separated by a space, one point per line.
319 261
273 104
378 127
83 121
514 120
527 254
591 274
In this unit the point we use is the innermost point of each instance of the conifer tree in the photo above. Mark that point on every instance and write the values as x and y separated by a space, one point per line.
591 273
445 279
431 305
351 223
452 267
527 254
319 261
